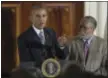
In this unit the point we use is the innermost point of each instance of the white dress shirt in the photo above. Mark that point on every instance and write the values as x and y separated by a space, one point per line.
89 40
38 31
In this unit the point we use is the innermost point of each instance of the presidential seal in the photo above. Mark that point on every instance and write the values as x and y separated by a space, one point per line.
50 68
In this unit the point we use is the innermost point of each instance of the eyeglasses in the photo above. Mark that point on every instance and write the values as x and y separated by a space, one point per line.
84 27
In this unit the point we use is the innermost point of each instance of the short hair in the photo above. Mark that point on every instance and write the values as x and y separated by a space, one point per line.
89 19
36 7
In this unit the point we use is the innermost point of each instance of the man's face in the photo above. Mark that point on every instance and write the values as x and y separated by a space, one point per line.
39 18
86 31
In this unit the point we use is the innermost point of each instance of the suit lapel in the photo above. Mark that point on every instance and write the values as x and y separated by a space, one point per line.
35 36
47 37
92 51
34 40
80 46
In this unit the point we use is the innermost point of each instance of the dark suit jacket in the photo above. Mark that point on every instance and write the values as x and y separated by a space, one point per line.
96 61
31 49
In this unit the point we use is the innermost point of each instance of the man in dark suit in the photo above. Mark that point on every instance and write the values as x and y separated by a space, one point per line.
88 50
39 42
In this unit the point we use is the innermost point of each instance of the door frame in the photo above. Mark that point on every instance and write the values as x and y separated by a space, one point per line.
18 24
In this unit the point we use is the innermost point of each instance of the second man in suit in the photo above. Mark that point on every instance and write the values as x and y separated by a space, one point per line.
88 50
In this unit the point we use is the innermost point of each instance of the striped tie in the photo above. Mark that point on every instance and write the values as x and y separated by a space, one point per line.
42 38
86 47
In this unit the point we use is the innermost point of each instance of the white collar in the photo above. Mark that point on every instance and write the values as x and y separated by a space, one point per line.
89 40
37 30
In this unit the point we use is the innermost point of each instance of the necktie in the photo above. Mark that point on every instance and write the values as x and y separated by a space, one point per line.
86 47
41 36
